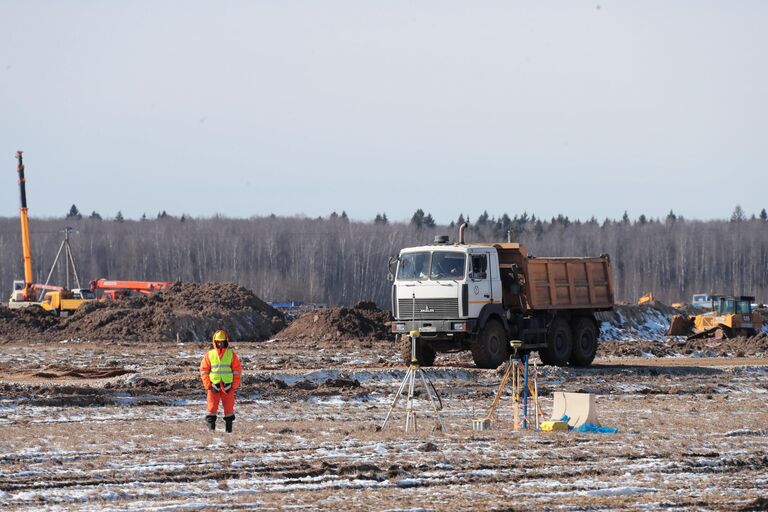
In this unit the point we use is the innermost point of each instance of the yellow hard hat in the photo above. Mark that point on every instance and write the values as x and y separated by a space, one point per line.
220 336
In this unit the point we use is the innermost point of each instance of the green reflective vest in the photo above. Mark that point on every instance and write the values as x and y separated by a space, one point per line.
221 369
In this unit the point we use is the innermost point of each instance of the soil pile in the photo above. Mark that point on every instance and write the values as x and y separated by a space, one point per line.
363 321
24 323
189 311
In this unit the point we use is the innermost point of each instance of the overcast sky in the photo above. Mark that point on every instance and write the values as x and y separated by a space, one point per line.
251 108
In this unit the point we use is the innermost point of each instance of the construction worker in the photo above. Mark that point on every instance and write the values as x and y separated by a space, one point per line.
220 371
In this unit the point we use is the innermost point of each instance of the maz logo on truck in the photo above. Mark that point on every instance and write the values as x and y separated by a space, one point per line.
426 310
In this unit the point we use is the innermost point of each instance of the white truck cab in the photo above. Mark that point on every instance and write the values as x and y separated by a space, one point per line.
438 288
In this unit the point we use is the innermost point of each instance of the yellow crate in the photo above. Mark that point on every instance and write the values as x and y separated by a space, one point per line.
554 426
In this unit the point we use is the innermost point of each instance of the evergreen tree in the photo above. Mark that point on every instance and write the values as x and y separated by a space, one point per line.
162 215
334 215
671 217
738 214
183 218
119 217
642 219
429 221
143 217
763 215
94 216
625 218
74 213
482 220
418 218
460 220
344 216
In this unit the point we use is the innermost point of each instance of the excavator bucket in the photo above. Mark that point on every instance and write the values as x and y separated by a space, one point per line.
579 407
679 325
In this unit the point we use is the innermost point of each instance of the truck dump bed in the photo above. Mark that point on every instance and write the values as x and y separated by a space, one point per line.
553 283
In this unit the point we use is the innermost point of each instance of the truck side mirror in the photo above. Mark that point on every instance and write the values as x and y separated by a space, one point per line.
391 264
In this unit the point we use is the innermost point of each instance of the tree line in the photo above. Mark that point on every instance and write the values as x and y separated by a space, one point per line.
338 261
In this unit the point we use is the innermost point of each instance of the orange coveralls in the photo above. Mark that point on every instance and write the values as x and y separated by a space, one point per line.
227 398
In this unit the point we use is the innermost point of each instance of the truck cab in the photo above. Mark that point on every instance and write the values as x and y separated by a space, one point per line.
431 291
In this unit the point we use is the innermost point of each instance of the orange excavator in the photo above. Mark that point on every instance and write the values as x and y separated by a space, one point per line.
113 290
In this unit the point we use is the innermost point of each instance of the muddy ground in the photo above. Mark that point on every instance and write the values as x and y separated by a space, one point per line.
119 426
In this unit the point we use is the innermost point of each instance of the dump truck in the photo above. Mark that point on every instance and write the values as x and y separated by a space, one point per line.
729 317
479 296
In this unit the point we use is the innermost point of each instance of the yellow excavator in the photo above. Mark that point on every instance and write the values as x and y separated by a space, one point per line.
26 293
729 317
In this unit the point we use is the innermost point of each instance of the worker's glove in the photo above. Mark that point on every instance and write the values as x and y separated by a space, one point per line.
227 387
215 387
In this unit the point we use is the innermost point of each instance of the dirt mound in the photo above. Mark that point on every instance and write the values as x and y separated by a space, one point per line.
190 311
25 323
363 321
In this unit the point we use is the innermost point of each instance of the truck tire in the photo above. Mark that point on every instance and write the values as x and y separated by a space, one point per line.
559 344
490 348
425 354
584 342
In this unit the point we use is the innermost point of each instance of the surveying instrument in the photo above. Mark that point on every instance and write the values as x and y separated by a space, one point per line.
409 383
523 383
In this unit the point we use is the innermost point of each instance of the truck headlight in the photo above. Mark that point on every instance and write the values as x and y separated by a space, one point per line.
459 326
398 327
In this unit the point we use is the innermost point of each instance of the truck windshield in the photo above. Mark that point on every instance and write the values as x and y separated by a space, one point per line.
413 265
447 265
431 265
743 307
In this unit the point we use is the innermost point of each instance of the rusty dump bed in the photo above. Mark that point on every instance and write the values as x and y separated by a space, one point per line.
553 283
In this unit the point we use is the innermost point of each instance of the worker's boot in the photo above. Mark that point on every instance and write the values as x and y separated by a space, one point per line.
228 423
211 420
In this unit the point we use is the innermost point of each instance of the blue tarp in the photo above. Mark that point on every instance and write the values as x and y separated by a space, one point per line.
590 428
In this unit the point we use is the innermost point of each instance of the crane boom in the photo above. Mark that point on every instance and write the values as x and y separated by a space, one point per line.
25 243
142 286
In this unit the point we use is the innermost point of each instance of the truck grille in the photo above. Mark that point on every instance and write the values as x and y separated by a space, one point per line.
428 308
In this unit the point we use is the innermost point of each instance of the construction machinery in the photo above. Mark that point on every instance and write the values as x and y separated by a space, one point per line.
729 317
54 299
479 296
115 289
646 299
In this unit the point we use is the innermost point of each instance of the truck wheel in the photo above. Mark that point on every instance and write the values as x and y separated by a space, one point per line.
584 343
559 344
490 348
425 354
